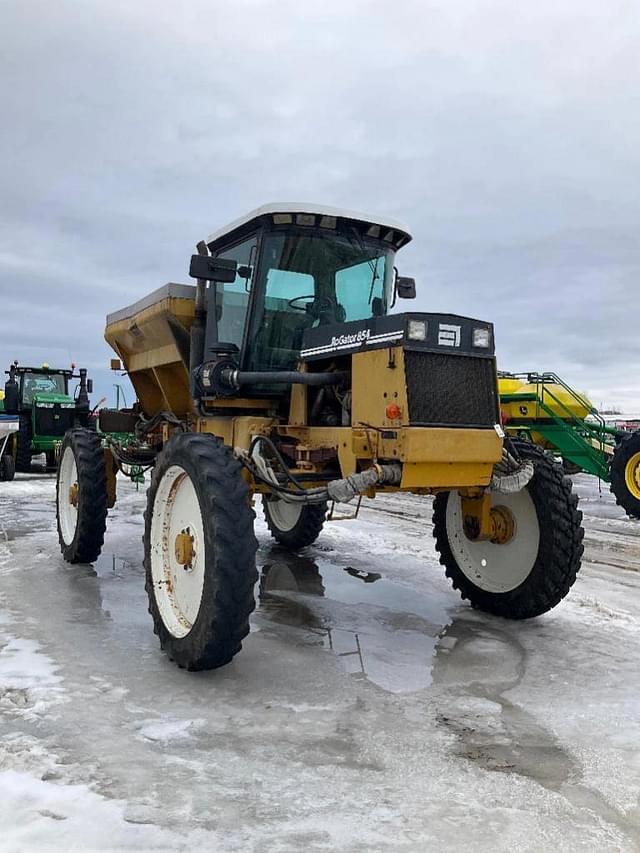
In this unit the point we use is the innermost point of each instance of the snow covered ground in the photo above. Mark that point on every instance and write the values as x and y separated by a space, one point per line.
370 709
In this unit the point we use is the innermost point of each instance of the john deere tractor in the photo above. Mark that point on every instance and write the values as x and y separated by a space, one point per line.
282 373
40 397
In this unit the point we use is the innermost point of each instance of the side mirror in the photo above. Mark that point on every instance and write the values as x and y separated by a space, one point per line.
116 364
405 287
212 269
89 386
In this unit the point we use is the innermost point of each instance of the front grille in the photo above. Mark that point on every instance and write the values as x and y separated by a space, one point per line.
450 390
55 421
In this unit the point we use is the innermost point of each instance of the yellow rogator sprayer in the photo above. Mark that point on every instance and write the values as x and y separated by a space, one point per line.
282 373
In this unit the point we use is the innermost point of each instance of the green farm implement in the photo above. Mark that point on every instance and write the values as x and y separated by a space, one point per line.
543 409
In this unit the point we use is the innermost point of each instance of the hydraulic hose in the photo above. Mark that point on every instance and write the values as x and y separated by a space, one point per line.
340 491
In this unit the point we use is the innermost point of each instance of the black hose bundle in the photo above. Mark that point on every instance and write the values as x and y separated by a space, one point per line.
298 493
146 425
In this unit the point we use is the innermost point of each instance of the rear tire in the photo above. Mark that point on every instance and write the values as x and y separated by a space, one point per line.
200 609
625 474
532 572
81 478
7 468
23 445
293 525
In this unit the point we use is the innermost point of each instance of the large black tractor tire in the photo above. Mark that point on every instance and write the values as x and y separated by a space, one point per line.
23 445
200 608
625 474
532 572
293 525
7 467
81 496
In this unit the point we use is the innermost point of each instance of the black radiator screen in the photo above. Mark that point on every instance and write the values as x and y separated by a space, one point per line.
454 390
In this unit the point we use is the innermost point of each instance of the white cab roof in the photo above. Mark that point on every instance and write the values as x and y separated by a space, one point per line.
306 207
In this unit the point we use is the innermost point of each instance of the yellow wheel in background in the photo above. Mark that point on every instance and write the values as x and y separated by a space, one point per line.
632 475
625 473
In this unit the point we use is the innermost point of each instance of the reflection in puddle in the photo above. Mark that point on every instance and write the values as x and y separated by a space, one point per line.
378 629
10 532
481 664
110 563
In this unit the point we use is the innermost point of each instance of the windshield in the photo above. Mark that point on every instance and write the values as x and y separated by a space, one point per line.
38 383
307 281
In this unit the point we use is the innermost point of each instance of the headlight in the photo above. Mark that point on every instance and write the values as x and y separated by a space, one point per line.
481 337
417 330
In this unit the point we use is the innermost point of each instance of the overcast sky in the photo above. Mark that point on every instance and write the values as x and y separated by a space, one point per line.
505 134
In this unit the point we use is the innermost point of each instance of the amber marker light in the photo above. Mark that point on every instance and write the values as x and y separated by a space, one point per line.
393 412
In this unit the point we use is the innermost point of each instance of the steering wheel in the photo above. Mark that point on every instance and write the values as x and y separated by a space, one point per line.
323 310
309 298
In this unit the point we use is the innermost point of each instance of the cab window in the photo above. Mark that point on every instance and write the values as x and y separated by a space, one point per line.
357 286
39 383
233 299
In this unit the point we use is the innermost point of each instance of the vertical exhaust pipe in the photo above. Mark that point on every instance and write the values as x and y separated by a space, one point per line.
196 353
82 400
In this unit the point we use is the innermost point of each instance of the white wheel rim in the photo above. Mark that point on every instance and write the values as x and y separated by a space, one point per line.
284 514
67 512
490 566
177 588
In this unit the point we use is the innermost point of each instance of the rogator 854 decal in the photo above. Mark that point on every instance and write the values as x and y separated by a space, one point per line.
434 332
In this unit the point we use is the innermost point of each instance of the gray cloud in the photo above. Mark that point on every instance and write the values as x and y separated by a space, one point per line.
506 135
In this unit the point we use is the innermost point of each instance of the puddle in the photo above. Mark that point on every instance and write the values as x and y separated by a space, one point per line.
378 629
10 534
479 664
110 564
403 642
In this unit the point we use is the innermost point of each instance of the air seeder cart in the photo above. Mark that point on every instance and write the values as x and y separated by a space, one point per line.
543 409
282 373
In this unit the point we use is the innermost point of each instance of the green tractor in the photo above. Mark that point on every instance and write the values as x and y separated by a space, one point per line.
40 398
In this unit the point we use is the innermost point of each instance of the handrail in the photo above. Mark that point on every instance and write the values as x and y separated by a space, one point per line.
582 401
578 430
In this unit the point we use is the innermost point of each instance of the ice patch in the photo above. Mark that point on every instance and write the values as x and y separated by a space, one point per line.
41 815
29 684
606 613
165 731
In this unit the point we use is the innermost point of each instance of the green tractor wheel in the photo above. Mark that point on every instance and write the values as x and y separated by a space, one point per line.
625 474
